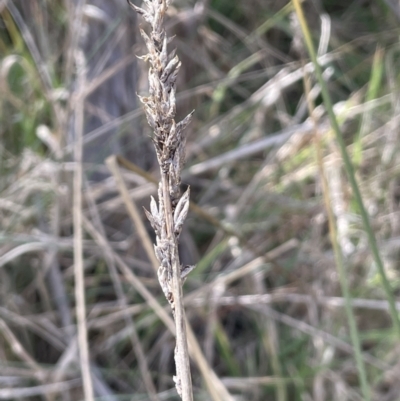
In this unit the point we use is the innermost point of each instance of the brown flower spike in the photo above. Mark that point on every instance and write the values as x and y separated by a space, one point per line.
168 216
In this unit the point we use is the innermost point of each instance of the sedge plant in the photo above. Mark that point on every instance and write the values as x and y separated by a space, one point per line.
167 217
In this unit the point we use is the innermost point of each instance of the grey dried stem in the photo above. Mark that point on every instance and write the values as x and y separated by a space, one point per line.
168 216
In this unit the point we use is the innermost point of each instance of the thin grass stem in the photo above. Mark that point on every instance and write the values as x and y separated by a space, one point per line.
78 238
348 167
355 337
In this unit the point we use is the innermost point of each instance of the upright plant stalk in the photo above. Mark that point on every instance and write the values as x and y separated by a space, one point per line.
354 334
349 168
83 341
168 216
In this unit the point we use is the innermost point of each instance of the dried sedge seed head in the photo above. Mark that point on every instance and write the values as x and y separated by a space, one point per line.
160 108
160 105
169 141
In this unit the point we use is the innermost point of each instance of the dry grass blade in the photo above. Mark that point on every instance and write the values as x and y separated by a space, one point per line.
20 250
329 338
132 210
118 288
20 351
330 302
130 276
78 238
44 390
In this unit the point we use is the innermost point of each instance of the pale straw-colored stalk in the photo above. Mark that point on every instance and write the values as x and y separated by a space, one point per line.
83 340
168 216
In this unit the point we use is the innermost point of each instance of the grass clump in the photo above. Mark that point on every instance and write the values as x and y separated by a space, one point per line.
288 301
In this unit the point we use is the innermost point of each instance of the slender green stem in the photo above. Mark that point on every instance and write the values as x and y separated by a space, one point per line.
355 338
348 167
365 388
338 253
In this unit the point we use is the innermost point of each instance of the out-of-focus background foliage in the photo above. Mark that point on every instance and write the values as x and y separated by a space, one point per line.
275 330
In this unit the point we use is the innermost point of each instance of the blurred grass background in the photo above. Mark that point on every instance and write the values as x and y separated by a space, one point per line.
275 230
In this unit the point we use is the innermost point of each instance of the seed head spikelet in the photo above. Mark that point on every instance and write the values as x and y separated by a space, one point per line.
169 140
